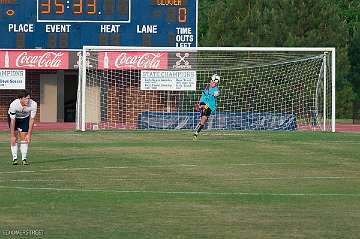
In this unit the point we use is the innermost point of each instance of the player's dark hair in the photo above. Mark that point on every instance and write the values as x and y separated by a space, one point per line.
24 93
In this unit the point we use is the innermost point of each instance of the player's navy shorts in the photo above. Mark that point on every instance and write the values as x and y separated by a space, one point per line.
206 112
22 124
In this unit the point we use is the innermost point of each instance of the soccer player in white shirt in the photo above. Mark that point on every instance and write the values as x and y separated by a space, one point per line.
21 116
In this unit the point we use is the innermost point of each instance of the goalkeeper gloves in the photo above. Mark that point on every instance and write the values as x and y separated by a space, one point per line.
197 107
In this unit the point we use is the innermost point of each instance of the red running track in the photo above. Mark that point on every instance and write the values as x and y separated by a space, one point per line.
44 126
347 128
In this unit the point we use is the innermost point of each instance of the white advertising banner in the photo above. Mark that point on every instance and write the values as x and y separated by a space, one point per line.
168 80
12 79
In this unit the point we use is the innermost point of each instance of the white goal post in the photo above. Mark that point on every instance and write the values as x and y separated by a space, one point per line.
156 88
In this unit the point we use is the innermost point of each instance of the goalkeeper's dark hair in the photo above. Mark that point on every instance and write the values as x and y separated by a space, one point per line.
24 93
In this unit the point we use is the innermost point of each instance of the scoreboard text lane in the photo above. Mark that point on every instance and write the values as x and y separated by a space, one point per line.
70 24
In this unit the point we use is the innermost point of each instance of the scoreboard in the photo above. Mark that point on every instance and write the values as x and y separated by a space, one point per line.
70 24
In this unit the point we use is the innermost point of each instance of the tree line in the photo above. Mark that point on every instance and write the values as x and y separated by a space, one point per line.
291 23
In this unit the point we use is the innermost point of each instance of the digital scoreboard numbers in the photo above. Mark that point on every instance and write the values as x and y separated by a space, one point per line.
71 24
112 11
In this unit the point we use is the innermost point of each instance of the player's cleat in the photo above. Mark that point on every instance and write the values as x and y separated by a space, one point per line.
195 137
15 162
24 162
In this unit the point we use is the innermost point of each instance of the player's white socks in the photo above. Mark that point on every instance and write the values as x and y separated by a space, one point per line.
14 150
24 150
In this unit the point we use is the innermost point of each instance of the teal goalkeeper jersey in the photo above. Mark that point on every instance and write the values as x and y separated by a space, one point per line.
207 97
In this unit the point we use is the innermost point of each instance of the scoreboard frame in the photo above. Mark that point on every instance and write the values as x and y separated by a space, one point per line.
145 23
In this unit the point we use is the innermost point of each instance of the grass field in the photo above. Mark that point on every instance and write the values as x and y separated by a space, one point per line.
137 184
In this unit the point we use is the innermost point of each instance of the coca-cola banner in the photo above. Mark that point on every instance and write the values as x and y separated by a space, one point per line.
133 60
20 59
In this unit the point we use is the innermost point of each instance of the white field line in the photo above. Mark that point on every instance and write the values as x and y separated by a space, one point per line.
114 178
291 178
184 192
154 166
255 164
24 171
32 180
102 168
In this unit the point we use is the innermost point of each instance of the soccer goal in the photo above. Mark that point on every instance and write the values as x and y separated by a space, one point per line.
156 88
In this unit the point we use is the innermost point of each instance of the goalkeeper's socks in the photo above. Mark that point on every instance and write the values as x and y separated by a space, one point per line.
199 128
14 150
24 150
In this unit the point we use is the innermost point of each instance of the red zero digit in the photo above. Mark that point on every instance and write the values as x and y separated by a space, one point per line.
182 17
10 12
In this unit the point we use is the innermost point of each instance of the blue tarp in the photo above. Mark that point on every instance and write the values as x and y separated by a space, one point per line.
219 120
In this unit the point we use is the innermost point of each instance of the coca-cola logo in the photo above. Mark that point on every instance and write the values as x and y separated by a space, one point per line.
147 60
46 60
114 60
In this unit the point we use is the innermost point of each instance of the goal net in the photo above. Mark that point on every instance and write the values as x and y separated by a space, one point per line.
156 88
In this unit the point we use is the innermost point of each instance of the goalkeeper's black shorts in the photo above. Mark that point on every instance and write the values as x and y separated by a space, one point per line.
205 112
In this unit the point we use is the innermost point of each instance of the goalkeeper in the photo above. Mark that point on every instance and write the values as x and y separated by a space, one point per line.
207 103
